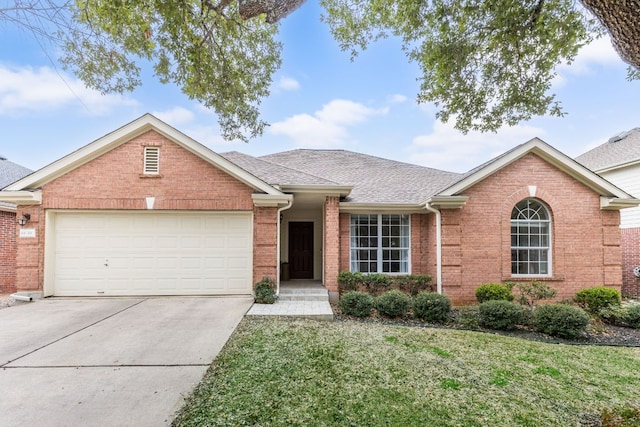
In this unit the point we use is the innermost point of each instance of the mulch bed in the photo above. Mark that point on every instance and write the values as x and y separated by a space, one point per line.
597 333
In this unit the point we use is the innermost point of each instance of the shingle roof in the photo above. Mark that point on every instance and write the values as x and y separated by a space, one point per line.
273 173
374 179
618 150
11 172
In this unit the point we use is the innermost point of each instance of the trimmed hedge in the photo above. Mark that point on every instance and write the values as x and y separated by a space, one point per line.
356 303
500 314
492 292
393 303
595 299
375 283
431 307
560 320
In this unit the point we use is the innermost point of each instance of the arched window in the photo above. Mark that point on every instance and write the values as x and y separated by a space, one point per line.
530 239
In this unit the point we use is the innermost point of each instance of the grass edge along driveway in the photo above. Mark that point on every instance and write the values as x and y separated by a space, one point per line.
308 373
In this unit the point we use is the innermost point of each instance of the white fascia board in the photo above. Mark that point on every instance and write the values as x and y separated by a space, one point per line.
327 190
618 166
447 202
126 133
350 207
21 198
271 200
550 155
615 203
6 207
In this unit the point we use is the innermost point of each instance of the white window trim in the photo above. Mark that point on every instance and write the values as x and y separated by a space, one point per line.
380 249
549 247
147 170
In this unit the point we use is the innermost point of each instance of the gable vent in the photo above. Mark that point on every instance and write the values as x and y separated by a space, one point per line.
151 160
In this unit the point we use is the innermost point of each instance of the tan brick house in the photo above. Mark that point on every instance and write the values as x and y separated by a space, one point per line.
146 210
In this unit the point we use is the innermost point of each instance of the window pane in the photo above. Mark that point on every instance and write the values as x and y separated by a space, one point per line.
530 232
382 248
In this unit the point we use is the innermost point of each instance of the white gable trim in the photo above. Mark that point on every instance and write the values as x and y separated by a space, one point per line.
125 134
549 154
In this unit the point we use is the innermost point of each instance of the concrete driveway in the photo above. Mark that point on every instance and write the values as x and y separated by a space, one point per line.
108 362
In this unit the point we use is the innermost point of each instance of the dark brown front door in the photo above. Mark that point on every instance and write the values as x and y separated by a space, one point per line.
301 250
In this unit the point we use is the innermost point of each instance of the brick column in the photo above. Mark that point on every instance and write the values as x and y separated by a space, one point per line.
7 252
265 235
331 246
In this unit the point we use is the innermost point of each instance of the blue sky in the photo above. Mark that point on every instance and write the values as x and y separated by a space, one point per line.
319 99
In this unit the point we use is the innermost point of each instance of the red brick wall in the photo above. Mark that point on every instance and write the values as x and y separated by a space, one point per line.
630 259
7 252
265 235
331 245
476 238
115 181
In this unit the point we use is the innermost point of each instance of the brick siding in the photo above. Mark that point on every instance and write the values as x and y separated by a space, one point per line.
630 243
477 244
7 252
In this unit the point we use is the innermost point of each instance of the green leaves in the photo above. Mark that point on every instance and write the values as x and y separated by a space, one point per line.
483 63
217 58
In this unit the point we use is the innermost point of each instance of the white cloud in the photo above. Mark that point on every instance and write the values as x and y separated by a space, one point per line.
288 83
397 99
210 136
449 149
600 52
175 116
326 127
26 89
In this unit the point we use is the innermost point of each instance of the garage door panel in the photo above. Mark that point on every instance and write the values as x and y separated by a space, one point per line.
98 253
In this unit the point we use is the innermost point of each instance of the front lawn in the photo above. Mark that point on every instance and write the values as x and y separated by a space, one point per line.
307 373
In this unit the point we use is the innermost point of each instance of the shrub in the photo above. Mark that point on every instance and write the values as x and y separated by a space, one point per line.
493 291
595 299
560 320
349 281
414 283
265 291
531 293
376 283
431 307
393 303
499 314
632 316
356 303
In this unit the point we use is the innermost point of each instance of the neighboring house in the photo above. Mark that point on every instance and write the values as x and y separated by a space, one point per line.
146 210
618 160
9 172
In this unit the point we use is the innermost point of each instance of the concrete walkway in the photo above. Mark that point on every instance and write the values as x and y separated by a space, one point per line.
115 362
303 299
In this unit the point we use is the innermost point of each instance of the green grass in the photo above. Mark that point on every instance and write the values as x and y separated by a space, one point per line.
307 373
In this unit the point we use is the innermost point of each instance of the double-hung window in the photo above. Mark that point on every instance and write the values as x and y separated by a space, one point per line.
530 239
380 243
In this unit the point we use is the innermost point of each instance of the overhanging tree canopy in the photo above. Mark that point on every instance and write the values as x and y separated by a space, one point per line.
484 63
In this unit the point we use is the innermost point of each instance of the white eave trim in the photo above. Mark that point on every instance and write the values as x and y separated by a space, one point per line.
615 203
618 166
350 207
126 133
327 190
550 155
447 202
21 198
271 201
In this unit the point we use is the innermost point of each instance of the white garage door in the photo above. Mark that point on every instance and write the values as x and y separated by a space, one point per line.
152 253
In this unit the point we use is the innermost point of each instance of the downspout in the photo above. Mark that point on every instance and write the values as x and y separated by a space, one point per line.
279 214
438 246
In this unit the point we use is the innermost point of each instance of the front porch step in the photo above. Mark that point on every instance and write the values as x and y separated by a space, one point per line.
315 294
298 302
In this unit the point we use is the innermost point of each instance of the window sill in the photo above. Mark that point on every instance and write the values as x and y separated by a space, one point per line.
150 176
531 278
